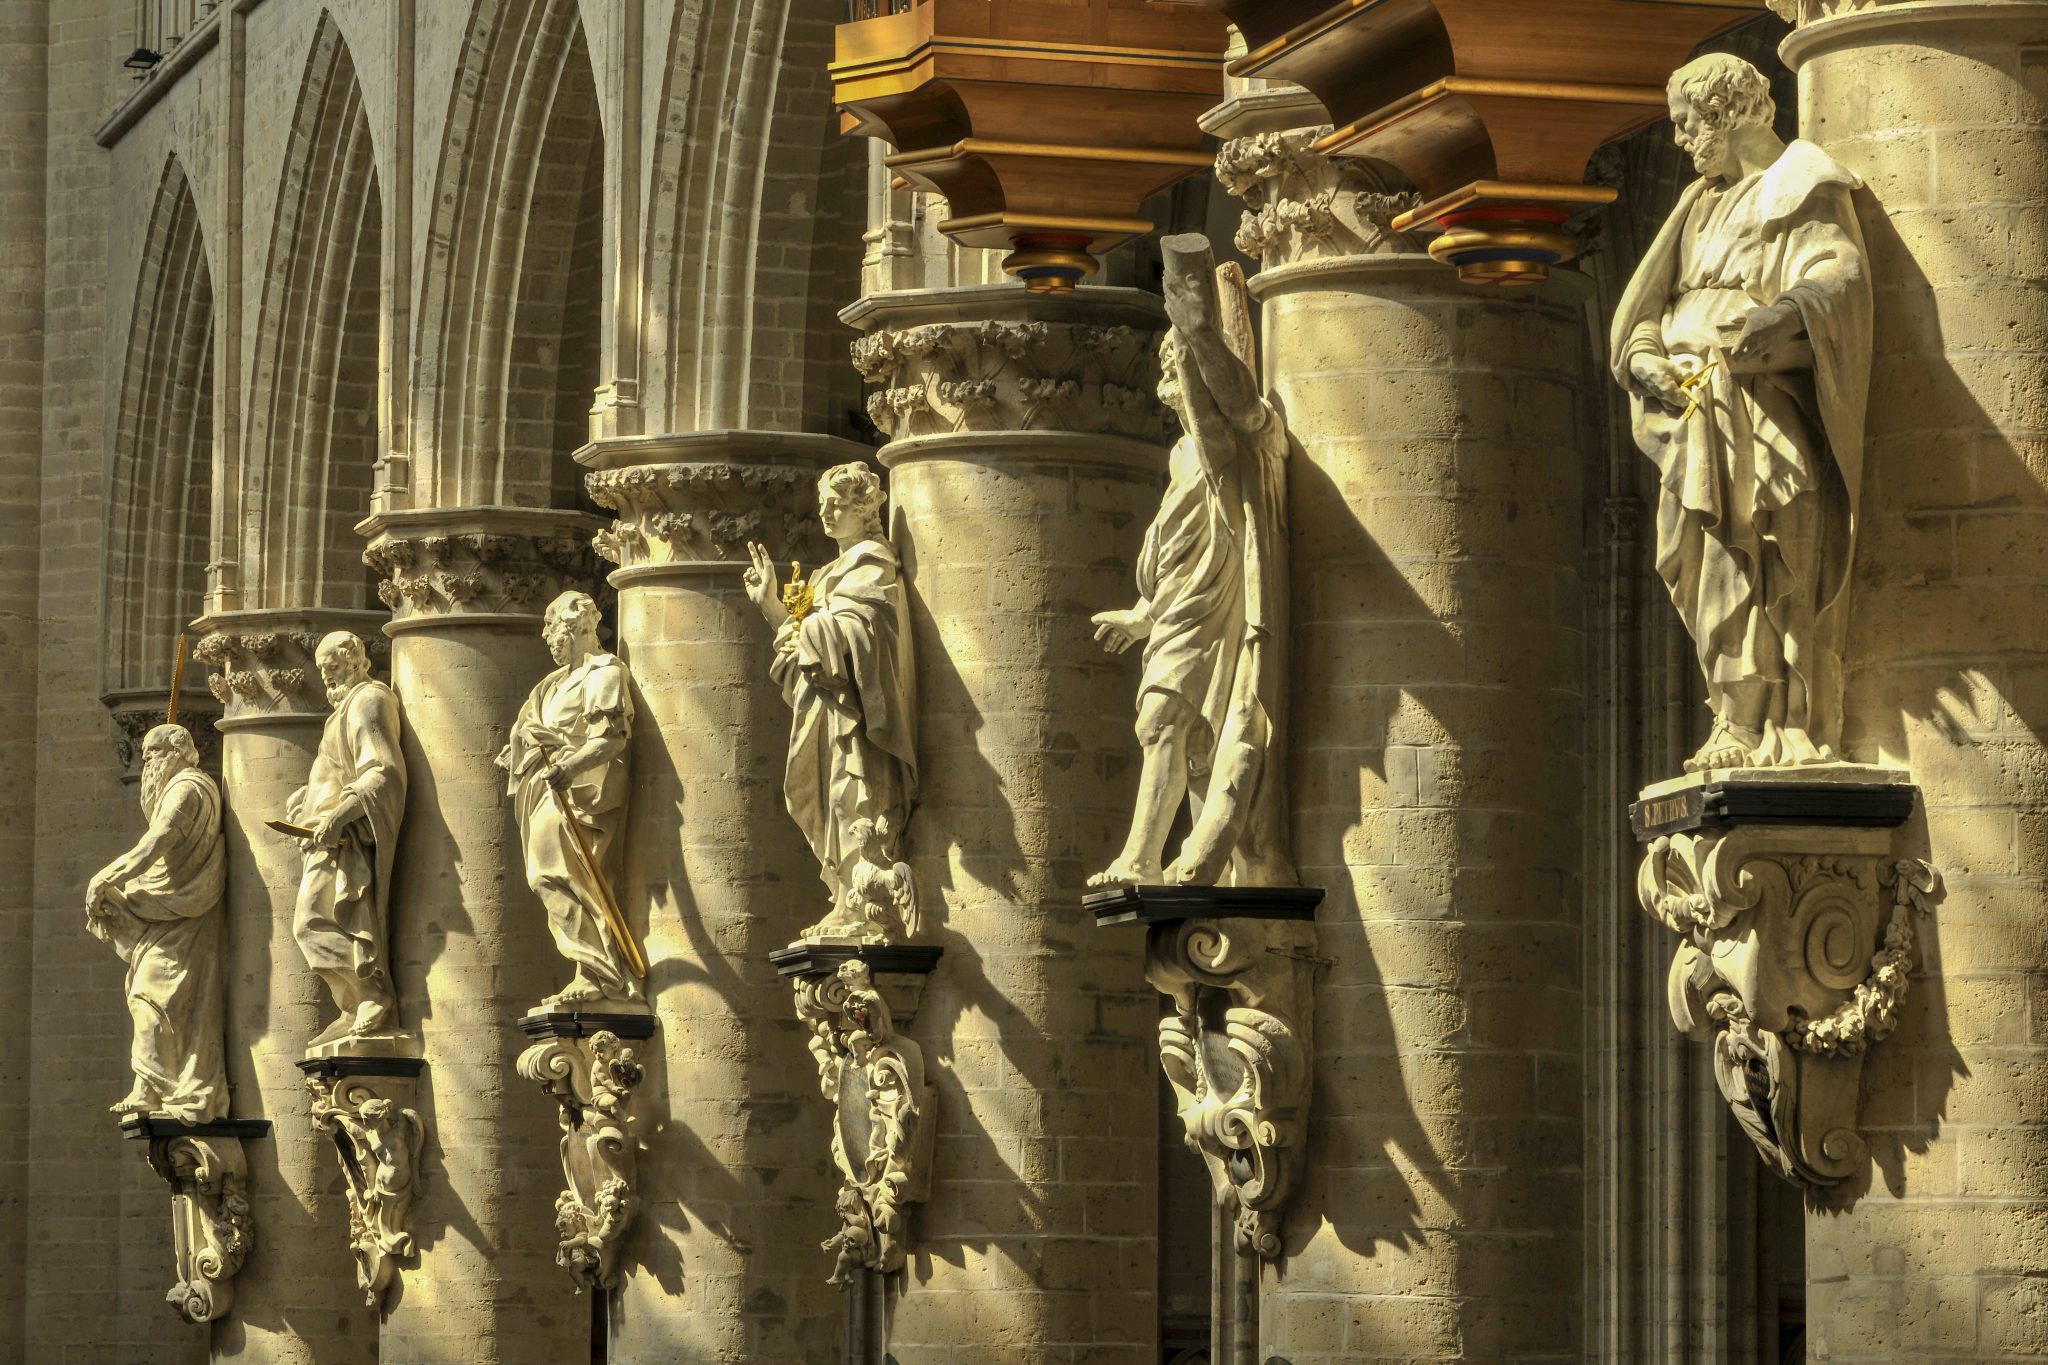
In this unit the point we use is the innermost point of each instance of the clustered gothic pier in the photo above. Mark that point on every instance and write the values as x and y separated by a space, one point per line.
1136 682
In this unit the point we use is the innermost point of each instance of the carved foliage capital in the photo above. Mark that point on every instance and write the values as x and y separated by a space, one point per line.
883 1116
1301 205
477 573
269 671
379 1139
212 1227
1237 1051
592 1080
135 714
1013 376
1798 946
685 513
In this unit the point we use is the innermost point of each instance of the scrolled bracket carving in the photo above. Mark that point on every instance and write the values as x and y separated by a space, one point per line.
379 1139
883 1116
212 1228
592 1080
1237 1051
1798 948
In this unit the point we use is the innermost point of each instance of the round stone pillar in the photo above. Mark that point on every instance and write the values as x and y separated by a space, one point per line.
1436 770
1942 108
1027 459
296 1297
735 1180
471 950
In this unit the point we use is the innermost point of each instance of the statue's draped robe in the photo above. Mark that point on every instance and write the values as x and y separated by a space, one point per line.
1213 568
846 671
575 703
1756 515
163 921
345 892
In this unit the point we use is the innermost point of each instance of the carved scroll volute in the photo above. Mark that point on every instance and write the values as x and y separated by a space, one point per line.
379 1142
212 1228
1236 1050
592 1080
1792 970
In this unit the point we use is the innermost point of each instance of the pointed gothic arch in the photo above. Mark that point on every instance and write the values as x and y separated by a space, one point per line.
312 437
160 490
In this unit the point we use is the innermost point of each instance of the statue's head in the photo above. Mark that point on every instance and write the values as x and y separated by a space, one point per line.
1714 98
850 501
1169 369
343 662
570 626
167 750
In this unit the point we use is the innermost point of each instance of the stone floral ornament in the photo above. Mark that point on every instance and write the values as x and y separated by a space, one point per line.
592 1080
1798 928
882 1122
1231 936
379 1140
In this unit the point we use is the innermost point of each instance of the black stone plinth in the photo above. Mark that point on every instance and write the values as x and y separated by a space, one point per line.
578 1024
824 959
330 1067
1171 904
1725 805
148 1126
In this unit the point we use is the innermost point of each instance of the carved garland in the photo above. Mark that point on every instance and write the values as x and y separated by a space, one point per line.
380 1144
882 1116
592 1079
1013 376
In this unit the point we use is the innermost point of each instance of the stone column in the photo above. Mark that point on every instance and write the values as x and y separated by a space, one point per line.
1026 461
736 1193
1436 769
1940 1252
471 950
296 1298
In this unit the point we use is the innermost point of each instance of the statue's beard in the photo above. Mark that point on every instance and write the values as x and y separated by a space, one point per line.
338 693
1708 151
156 775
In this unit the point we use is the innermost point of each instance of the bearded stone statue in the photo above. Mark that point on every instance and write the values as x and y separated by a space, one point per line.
1744 342
157 905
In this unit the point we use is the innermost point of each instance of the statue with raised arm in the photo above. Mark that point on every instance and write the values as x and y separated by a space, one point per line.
567 764
1744 342
352 803
1212 602
158 906
843 661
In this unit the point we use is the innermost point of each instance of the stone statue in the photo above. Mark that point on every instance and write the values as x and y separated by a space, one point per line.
567 761
1744 342
843 660
157 905
353 801
1212 604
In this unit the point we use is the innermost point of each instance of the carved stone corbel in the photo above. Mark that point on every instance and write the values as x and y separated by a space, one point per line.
1798 945
588 1069
1239 965
212 1228
883 1110
364 1105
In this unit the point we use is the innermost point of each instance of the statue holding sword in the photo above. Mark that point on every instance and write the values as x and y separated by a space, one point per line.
566 761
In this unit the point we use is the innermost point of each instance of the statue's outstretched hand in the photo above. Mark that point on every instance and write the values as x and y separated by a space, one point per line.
1766 332
1658 378
1117 631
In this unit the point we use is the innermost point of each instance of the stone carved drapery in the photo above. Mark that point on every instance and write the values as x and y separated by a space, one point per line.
379 1138
212 1228
1005 375
1798 944
883 1115
706 513
592 1078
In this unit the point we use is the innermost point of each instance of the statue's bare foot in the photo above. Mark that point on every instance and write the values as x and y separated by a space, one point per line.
1727 746
372 1016
136 1101
1125 872
340 1028
580 991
